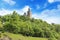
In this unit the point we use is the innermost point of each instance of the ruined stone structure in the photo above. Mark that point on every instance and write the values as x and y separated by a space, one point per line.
28 14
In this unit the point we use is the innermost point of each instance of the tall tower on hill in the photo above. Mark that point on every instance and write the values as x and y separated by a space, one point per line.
29 14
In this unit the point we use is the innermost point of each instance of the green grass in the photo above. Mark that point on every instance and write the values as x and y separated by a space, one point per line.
21 37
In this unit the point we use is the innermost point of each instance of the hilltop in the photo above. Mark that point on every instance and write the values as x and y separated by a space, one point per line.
30 27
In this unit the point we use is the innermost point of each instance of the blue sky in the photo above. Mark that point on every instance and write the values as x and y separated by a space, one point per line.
48 10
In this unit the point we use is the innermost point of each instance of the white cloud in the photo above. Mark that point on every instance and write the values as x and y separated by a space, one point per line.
4 12
20 11
51 1
51 16
53 20
10 2
25 8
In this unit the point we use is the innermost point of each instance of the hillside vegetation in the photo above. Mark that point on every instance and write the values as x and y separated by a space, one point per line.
21 37
20 24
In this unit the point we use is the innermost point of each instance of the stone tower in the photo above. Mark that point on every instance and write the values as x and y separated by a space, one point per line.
29 14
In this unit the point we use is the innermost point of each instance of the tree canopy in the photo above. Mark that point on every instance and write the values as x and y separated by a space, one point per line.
21 24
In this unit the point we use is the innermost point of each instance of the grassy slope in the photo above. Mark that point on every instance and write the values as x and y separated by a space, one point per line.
18 36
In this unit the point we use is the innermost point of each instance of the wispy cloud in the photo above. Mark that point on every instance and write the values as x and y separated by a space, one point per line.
51 16
51 1
20 11
10 2
25 8
4 12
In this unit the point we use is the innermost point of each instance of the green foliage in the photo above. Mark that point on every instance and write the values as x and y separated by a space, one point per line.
20 24
20 37
52 39
10 27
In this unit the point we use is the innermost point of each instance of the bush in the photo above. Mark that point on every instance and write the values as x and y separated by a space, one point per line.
52 39
10 28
